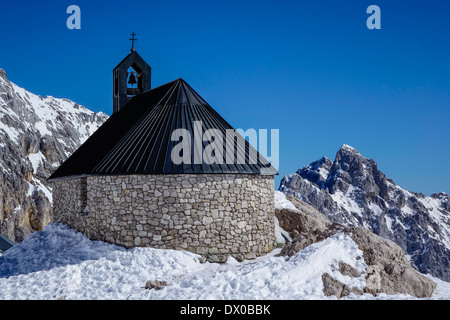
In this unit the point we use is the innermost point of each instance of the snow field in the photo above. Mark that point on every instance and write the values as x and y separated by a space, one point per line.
60 262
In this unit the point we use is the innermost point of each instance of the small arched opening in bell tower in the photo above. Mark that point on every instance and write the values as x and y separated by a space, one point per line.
135 81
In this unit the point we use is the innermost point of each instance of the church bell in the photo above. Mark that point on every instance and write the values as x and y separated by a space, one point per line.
132 79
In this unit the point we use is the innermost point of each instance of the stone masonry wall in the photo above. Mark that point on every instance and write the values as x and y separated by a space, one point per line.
212 215
71 198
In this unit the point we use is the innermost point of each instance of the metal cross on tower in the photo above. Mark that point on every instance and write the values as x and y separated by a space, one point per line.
133 39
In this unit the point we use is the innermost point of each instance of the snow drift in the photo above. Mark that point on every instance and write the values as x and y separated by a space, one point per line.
59 262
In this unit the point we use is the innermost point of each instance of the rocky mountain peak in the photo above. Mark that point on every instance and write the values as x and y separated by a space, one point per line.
317 171
356 193
348 148
351 168
36 135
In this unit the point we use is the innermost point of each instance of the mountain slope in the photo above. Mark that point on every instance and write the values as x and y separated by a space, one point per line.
351 190
36 135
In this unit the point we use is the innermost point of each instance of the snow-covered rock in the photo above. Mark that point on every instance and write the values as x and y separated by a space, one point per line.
59 262
36 135
352 191
385 268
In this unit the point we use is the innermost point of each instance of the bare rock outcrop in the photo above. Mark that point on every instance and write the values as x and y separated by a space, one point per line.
155 284
388 271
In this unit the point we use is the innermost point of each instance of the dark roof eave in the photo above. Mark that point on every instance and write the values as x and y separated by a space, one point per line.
78 176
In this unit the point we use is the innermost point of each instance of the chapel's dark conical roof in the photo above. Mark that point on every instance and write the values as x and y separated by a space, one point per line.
137 139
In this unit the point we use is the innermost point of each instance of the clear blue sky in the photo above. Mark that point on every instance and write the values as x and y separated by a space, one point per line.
311 69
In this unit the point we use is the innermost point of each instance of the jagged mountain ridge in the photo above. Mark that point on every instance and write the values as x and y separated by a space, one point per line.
353 191
36 135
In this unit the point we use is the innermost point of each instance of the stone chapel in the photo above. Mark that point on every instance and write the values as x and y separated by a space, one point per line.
123 186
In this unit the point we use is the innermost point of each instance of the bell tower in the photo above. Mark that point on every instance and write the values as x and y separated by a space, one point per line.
131 77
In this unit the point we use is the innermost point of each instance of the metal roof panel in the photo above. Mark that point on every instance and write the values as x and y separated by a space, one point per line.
137 139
